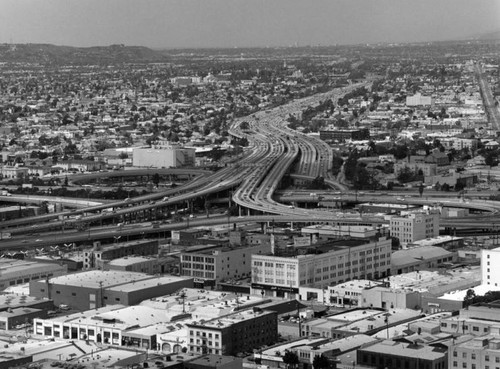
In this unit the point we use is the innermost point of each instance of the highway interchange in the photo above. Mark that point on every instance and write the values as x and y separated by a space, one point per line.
274 151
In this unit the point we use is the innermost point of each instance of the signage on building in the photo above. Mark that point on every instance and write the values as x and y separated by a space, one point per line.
274 288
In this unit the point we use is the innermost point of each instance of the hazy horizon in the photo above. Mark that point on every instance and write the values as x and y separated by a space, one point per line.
169 24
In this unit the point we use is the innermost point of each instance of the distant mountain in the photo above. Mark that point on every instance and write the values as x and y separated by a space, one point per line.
495 35
52 54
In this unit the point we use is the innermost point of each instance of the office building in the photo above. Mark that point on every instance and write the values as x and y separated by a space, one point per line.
319 266
413 226
218 263
163 155
239 332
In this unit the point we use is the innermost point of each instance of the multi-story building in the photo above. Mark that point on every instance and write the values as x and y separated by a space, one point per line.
99 254
163 155
413 226
490 267
416 164
239 332
320 266
217 263
475 353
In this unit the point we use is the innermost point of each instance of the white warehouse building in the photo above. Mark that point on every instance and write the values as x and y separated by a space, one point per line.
163 155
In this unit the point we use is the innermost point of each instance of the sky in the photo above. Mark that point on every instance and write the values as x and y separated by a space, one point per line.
243 23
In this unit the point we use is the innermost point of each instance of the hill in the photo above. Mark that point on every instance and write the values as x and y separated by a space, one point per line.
53 54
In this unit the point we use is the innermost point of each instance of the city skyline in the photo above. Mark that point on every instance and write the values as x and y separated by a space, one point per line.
238 23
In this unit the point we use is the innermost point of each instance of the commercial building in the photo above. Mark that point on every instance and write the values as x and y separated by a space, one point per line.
342 135
420 258
413 226
163 155
356 321
93 289
140 264
13 318
418 100
218 263
15 272
97 256
320 266
396 355
132 326
239 332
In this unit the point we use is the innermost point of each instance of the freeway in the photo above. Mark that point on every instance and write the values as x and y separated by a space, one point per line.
274 152
488 100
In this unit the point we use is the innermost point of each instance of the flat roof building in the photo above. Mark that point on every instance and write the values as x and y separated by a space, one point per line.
15 272
319 266
94 289
239 332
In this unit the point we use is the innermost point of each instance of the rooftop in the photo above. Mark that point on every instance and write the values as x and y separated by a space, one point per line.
407 350
216 360
129 260
202 304
228 320
424 280
99 278
408 256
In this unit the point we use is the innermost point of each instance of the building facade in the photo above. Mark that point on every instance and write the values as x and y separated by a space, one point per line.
414 226
281 276
239 332
163 155
220 263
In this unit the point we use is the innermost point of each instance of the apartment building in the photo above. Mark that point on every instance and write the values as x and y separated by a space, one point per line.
239 332
413 226
320 266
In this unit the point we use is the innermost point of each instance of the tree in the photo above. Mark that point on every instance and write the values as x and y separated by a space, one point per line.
406 175
421 189
156 179
321 362
469 297
290 359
